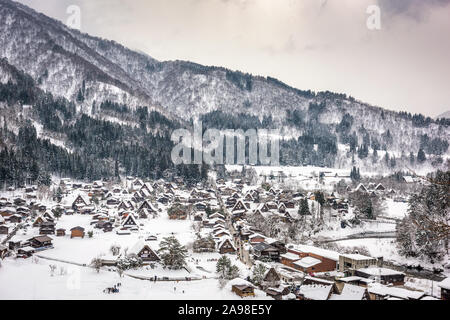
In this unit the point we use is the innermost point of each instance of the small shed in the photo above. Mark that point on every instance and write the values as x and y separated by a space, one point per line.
77 232
243 290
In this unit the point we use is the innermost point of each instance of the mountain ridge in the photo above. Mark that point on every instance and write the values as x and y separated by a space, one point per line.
105 80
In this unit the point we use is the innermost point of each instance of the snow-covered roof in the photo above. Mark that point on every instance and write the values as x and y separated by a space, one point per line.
322 281
360 187
397 292
138 246
350 292
357 256
408 179
238 282
256 235
376 271
445 284
72 197
315 291
126 220
329 254
355 278
290 256
223 240
307 262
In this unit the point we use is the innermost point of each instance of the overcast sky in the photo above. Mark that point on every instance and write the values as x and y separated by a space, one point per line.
309 44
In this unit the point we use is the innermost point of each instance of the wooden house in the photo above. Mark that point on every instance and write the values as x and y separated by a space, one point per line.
383 275
25 252
177 212
216 215
41 242
3 251
378 291
7 211
281 246
147 188
60 232
226 246
249 197
77 232
123 205
112 201
129 221
264 251
137 184
314 292
256 238
143 214
4 229
15 218
355 261
263 207
243 290
107 226
204 245
47 227
240 205
148 206
79 202
319 260
271 278
351 292
144 252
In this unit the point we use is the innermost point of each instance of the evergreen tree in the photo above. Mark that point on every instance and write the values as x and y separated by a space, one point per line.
421 158
303 209
172 253
425 231
411 159
225 269
259 271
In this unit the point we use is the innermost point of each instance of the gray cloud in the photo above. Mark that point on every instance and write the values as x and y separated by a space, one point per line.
309 44
416 9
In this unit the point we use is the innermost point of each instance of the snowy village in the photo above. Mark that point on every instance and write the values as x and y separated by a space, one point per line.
203 155
226 238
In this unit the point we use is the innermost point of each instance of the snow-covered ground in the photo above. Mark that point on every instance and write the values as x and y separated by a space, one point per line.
32 280
396 210
376 247
28 280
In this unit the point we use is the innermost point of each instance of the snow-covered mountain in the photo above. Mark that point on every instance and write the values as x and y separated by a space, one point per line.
65 62
445 115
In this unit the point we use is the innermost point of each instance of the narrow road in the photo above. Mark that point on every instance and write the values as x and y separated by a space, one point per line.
363 235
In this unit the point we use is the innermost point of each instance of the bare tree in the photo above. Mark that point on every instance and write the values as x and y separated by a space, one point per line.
52 269
119 271
115 249
96 263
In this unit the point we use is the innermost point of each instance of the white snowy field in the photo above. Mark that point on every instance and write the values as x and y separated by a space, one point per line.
28 279
376 247
84 250
396 210
25 279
